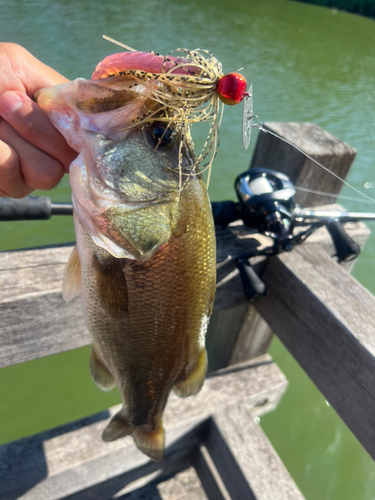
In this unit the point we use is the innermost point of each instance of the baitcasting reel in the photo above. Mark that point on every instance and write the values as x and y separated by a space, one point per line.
266 204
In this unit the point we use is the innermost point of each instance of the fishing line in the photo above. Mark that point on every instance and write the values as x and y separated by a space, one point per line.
260 127
330 195
195 98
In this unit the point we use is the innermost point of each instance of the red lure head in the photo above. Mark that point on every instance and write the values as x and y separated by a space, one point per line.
231 88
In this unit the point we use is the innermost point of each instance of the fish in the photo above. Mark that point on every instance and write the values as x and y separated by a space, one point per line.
144 264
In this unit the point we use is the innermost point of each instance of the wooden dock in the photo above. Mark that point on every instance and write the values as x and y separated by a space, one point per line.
215 449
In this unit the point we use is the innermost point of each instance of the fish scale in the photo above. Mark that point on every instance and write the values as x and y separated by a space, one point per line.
144 263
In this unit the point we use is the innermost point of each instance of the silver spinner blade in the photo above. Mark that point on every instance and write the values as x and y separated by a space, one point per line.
247 116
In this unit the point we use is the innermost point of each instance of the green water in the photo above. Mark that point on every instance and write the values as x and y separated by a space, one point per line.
306 64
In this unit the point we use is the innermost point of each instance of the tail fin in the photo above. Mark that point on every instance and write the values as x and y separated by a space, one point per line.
151 443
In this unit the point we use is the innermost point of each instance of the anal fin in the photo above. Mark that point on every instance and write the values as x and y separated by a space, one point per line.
100 373
151 443
117 428
72 276
193 383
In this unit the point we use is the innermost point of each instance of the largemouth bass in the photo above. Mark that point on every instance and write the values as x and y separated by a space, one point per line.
144 262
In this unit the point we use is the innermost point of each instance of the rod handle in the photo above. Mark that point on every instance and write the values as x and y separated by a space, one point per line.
28 208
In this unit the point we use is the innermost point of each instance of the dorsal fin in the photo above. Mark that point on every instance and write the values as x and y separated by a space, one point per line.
72 276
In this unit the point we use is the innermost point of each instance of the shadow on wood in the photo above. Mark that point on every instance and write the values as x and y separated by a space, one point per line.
73 462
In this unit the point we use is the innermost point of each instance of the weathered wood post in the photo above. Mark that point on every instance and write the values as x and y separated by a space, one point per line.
240 333
271 152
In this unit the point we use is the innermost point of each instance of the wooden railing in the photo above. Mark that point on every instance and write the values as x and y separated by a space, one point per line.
323 316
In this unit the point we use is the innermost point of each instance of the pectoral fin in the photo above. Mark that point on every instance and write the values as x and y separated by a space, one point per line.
72 276
151 443
103 378
193 384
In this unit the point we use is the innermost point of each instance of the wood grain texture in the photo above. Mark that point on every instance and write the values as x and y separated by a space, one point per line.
73 461
209 475
327 321
184 485
253 339
245 460
37 322
271 152
275 154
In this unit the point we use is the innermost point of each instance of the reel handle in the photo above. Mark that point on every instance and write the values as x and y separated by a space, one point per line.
346 248
253 286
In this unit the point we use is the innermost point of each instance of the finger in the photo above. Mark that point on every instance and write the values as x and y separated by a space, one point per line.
24 72
12 184
32 123
39 170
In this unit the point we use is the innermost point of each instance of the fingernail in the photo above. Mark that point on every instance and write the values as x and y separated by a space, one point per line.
10 102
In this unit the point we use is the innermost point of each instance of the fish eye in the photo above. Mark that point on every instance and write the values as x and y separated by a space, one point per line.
162 135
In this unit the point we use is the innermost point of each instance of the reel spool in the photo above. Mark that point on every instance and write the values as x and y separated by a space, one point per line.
266 200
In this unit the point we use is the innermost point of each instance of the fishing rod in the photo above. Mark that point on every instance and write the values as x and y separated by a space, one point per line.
265 203
32 208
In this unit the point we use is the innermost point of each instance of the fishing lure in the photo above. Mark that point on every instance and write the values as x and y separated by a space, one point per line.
184 87
188 89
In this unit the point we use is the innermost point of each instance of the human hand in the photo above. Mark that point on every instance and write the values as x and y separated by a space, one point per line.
33 154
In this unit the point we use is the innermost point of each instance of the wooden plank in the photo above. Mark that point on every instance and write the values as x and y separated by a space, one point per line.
327 321
209 475
246 461
271 152
254 337
121 471
222 335
37 322
66 460
39 326
184 485
24 273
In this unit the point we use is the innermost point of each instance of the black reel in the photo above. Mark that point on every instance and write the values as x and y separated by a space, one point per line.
266 201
